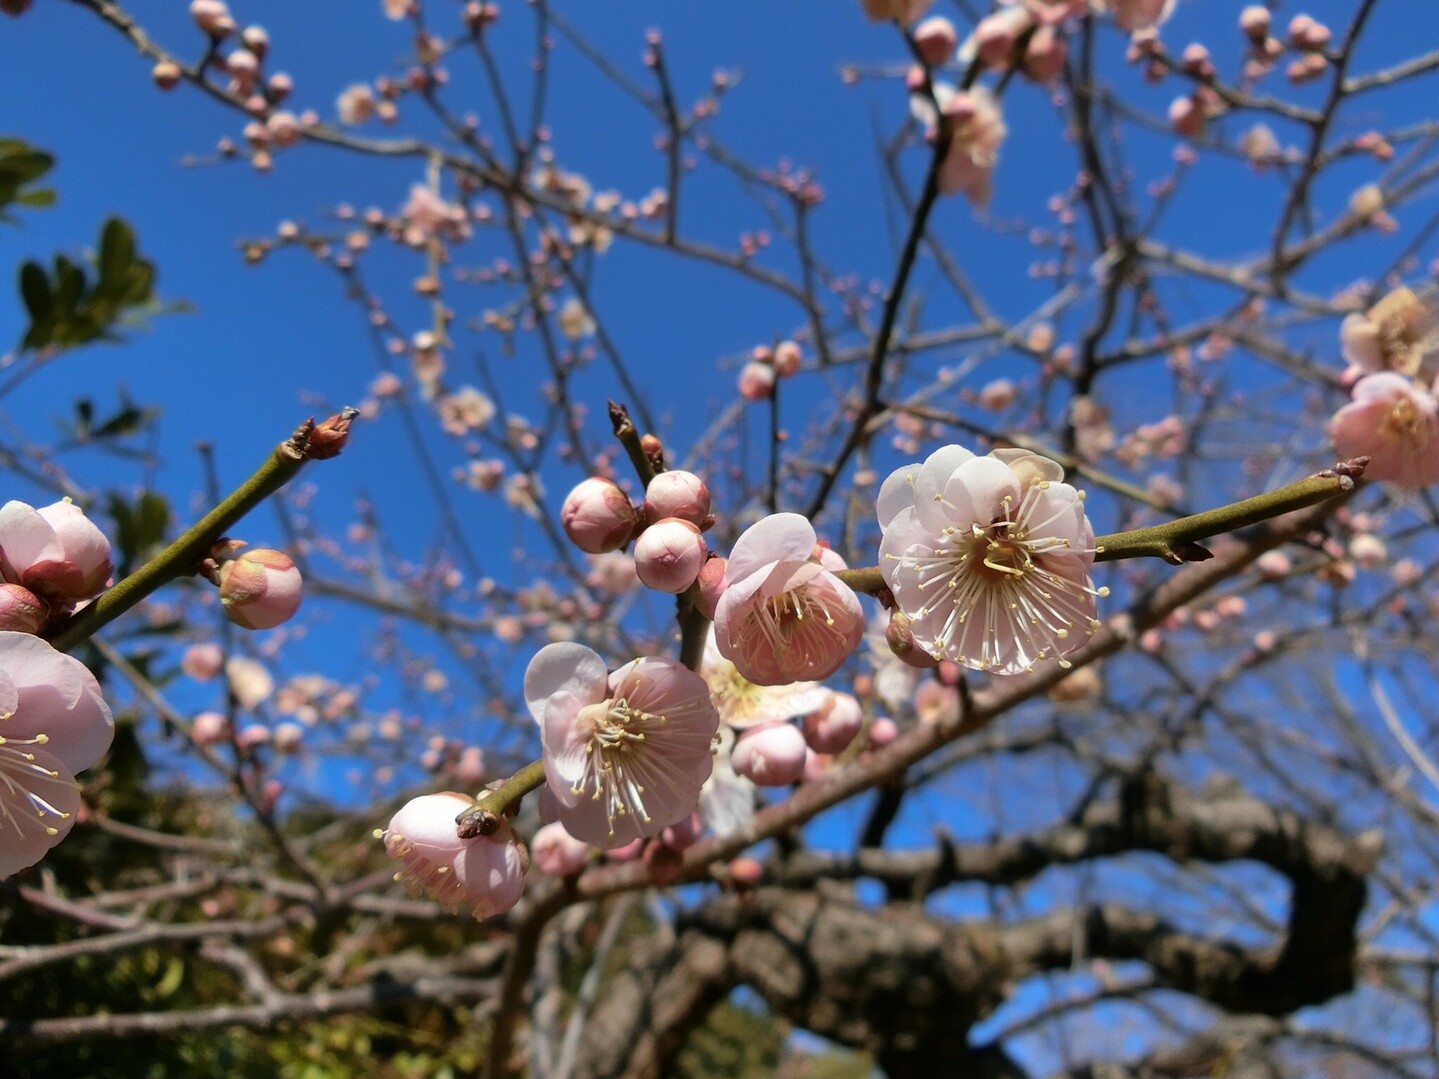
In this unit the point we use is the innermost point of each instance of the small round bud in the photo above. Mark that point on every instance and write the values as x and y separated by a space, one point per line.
279 87
256 39
208 728
900 639
598 517
202 661
678 494
756 381
1045 54
558 853
771 755
685 834
670 554
936 40
1254 21
213 17
786 359
882 732
1186 117
166 74
745 872
833 726
260 588
711 585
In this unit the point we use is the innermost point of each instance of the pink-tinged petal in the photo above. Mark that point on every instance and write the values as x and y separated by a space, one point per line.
1026 463
1359 343
491 873
566 744
38 802
977 490
929 485
564 667
9 695
87 551
1386 385
558 853
26 541
57 697
485 874
896 493
780 537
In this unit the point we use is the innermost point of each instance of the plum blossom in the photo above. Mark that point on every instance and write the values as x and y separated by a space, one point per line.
260 588
1396 424
977 132
486 874
1132 15
53 724
426 215
1399 333
989 558
625 753
743 704
56 552
783 617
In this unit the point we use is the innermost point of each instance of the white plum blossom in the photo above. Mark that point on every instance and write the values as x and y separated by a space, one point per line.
989 558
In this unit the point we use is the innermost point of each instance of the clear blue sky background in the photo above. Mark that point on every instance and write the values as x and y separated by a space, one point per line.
269 345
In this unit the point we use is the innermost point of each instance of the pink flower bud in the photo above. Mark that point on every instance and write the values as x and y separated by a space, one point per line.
598 517
284 129
244 68
882 732
1254 21
627 852
1045 54
678 494
209 728
1186 117
998 395
257 40
202 661
55 551
166 74
756 381
557 852
771 755
288 737
470 768
485 874
995 36
936 41
745 872
900 638
21 610
279 86
685 834
213 17
260 588
711 585
669 555
832 727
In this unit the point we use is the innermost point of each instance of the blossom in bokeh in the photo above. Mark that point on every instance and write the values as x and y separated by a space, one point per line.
558 853
1394 422
625 753
782 617
906 11
1135 15
989 558
978 132
1398 333
56 551
743 704
485 874
771 755
53 724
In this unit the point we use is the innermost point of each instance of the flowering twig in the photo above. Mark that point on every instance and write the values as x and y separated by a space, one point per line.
483 818
179 559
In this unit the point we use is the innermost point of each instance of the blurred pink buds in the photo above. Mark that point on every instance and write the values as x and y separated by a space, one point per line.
166 74
1045 54
904 11
1254 21
771 755
786 359
936 40
678 494
55 551
669 555
833 726
213 17
260 588
784 618
625 753
558 853
598 517
711 583
1135 15
1397 334
485 874
208 728
978 132
996 35
756 381
53 724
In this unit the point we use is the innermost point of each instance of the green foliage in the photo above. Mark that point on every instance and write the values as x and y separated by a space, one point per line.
21 165
140 529
733 1041
67 308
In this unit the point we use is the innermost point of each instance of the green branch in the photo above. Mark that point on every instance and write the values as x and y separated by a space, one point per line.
182 556
491 807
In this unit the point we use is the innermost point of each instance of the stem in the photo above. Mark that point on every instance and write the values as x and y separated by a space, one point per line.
490 808
1177 541
179 559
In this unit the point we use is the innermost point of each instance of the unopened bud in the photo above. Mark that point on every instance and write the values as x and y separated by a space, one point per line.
756 381
21 610
1254 21
261 588
678 494
670 554
166 74
832 727
213 17
663 863
711 584
900 639
598 517
936 40
328 438
772 755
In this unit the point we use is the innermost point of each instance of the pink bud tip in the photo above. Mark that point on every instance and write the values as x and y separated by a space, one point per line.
598 517
261 588
670 554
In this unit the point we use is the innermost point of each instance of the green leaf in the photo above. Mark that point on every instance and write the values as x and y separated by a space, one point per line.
35 291
117 255
39 198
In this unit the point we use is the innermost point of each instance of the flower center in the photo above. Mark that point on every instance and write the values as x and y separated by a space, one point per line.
616 742
18 765
1404 422
997 592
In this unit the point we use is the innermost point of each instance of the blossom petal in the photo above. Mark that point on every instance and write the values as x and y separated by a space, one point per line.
779 537
896 493
929 485
564 667
38 803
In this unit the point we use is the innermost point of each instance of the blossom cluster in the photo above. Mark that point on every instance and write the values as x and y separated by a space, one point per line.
1393 416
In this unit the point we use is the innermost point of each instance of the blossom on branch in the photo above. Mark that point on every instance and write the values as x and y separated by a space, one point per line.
1395 423
53 724
56 552
989 558
782 616
625 753
485 874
